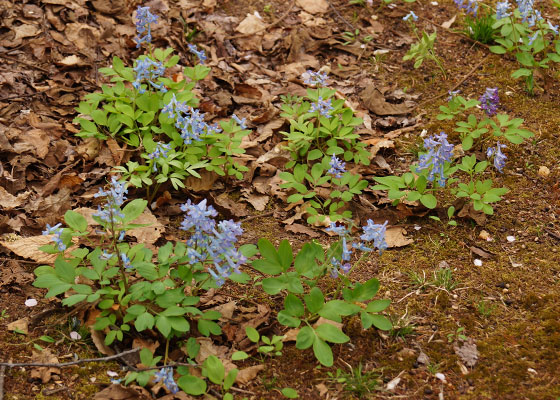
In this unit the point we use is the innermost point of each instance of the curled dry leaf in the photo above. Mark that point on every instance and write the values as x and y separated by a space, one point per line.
20 325
251 25
29 248
9 201
394 237
246 375
119 392
313 6
44 373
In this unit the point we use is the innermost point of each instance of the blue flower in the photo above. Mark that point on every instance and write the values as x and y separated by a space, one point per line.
439 152
533 38
115 197
553 28
199 53
189 121
322 106
106 255
165 375
375 232
337 167
502 10
126 261
144 18
528 13
241 122
149 70
410 15
339 230
161 151
499 157
471 6
490 101
452 94
57 232
315 78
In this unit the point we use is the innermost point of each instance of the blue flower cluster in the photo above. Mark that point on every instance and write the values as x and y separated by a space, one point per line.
470 7
149 70
499 157
211 241
144 18
199 53
410 15
57 231
324 107
439 152
165 375
502 8
115 198
338 167
161 151
371 232
315 78
242 122
188 120
490 101
528 12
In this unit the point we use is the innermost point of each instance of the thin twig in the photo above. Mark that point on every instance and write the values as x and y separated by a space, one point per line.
2 372
24 63
266 214
341 17
22 96
271 25
67 364
460 82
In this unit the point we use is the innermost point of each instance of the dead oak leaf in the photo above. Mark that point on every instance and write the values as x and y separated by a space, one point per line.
394 237
247 375
313 6
44 373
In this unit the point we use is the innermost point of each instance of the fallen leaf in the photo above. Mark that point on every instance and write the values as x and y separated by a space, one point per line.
322 388
258 201
468 353
99 341
299 228
147 234
20 325
482 253
44 373
251 25
9 201
119 392
12 273
374 100
313 6
247 375
202 184
29 248
394 237
447 24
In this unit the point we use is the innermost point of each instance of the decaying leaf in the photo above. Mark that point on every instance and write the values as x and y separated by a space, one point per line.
258 201
119 392
29 248
9 201
313 6
99 341
20 325
394 237
468 353
44 373
251 25
147 234
299 228
246 375
374 100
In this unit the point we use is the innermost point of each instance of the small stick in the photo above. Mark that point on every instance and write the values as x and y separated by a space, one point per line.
267 214
24 63
341 17
67 364
2 372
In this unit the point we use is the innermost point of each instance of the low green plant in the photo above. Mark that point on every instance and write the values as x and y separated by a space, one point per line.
457 335
356 381
481 28
424 47
272 346
443 278
321 131
485 309
305 302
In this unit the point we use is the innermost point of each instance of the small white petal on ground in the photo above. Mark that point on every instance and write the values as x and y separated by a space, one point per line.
478 262
75 335
511 239
30 302
441 377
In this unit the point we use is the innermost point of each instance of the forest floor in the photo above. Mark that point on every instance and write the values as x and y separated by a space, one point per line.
508 306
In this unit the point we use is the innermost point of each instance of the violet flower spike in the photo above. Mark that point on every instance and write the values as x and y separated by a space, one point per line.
499 157
439 152
489 101
144 19
337 167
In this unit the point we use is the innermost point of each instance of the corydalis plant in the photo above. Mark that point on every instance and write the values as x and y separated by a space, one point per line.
489 101
439 152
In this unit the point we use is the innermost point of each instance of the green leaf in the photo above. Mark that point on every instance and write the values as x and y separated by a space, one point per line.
285 254
429 201
252 334
133 210
144 321
314 300
378 306
305 338
314 155
75 221
381 322
331 333
290 393
287 320
323 352
146 357
192 385
214 369
163 324
293 305
239 355
521 72
229 381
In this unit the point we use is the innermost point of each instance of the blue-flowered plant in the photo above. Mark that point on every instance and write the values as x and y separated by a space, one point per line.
297 277
424 47
438 160
532 39
147 109
134 289
322 141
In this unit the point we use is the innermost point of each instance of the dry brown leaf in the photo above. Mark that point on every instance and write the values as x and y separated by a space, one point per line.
202 184
447 24
44 373
468 353
98 339
9 201
374 100
145 344
226 205
83 36
12 273
35 141
247 375
226 310
322 321
378 144
313 6
322 388
147 234
258 201
251 25
72 61
29 248
394 237
299 228
19 325
119 392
